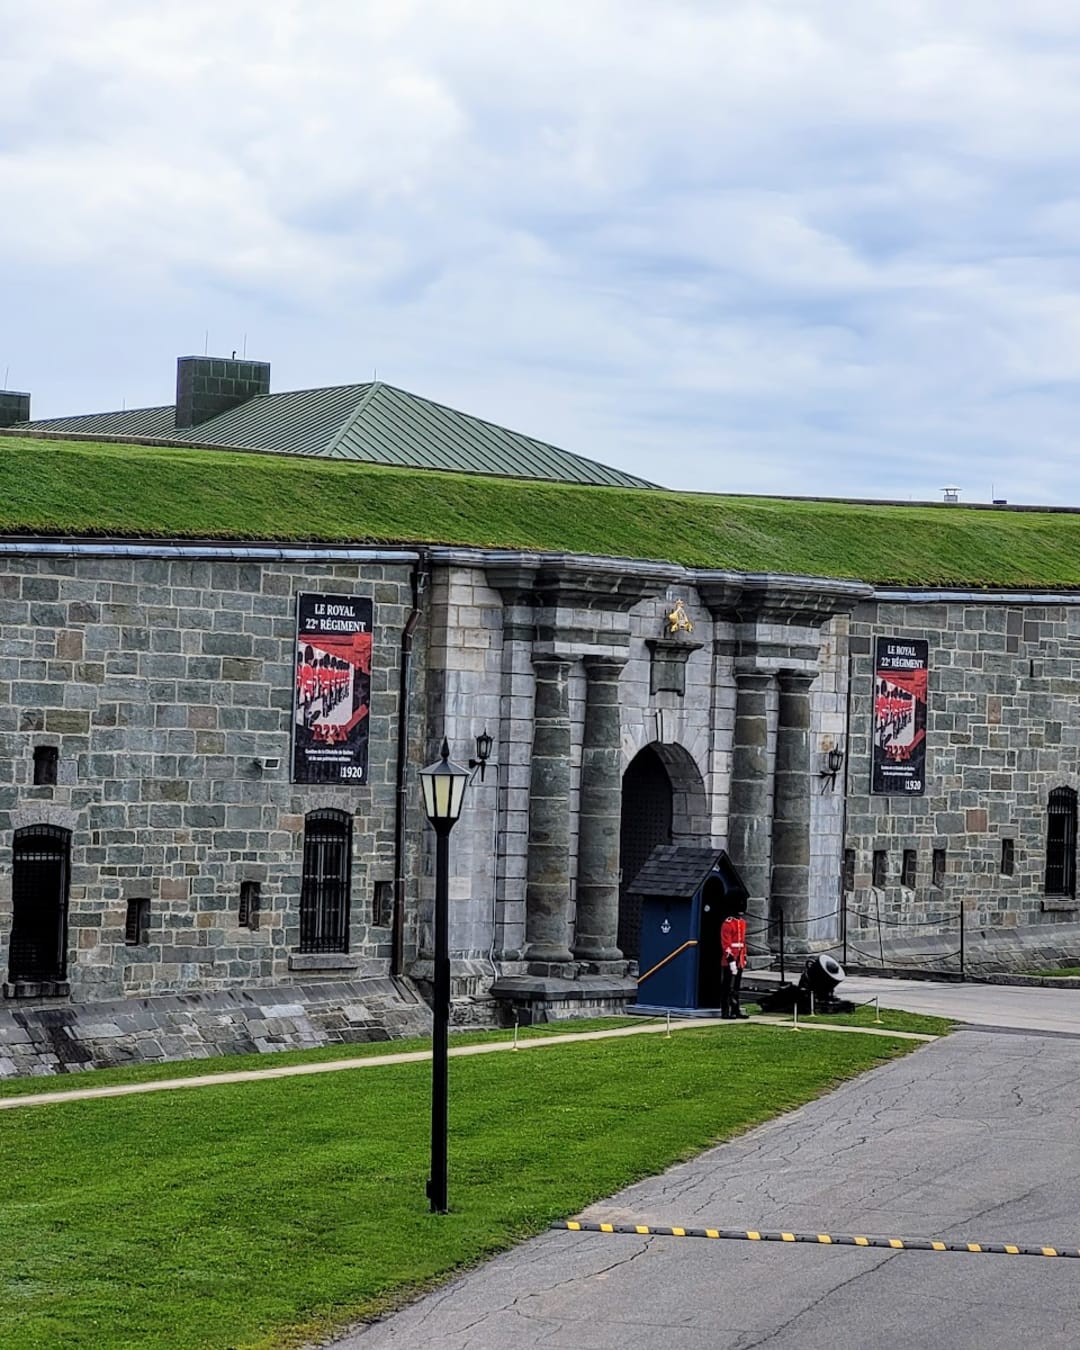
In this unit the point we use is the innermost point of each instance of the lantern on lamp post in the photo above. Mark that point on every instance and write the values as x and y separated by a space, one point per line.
443 785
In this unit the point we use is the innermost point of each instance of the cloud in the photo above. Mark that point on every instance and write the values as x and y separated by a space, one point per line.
771 246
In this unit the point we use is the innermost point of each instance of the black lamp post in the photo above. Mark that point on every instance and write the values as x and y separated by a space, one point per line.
444 785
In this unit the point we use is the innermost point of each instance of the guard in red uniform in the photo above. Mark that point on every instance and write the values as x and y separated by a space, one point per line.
733 955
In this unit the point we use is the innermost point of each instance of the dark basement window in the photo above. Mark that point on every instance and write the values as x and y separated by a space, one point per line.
46 760
250 896
907 870
137 927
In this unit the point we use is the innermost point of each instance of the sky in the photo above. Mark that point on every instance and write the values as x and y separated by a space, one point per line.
793 247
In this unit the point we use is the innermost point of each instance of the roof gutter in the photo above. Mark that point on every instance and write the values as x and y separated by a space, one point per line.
915 597
209 552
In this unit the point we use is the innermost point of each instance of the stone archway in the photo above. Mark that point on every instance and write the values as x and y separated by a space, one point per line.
663 802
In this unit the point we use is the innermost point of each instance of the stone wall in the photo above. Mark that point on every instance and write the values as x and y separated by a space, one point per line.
166 685
68 1039
1003 730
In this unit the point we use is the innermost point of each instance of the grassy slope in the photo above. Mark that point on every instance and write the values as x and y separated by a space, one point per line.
229 1215
56 487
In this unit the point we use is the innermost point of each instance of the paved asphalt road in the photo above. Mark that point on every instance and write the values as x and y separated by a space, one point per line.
972 1138
993 1005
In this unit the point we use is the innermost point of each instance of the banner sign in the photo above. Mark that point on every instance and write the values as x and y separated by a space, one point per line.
899 742
333 689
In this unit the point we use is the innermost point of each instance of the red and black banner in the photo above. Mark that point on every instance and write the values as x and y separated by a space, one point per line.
333 689
899 743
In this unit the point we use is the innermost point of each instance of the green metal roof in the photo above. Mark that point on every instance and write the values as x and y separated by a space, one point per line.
154 422
374 423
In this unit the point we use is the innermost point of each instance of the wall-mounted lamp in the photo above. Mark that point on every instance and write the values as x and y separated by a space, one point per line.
834 762
483 754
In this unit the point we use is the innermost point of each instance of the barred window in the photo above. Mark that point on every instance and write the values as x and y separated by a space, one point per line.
1061 842
324 894
39 895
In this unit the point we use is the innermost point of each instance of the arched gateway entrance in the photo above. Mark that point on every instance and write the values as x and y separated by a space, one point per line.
663 802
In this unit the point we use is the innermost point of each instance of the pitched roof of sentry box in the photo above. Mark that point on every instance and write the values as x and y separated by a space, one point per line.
374 423
679 869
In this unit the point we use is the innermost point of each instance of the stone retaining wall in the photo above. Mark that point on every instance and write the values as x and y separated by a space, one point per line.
64 1039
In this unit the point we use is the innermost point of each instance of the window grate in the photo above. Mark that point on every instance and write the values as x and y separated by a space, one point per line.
1061 842
324 894
39 901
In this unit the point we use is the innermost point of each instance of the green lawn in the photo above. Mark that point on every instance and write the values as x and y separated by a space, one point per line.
891 1019
87 488
258 1214
1066 972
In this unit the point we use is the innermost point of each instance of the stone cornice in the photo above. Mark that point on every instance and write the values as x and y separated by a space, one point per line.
770 597
571 580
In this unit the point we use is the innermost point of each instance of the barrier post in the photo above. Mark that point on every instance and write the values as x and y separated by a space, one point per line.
843 925
877 1007
962 976
515 1028
782 973
667 1033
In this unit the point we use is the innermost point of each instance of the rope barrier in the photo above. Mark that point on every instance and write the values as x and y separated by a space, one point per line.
928 963
945 922
817 918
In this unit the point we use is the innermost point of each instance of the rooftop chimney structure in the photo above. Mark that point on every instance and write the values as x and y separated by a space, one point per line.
208 385
14 407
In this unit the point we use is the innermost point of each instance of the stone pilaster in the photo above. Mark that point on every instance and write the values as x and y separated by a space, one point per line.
791 808
749 830
598 820
547 895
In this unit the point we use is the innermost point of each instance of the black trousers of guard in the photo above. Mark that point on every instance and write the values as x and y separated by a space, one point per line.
729 991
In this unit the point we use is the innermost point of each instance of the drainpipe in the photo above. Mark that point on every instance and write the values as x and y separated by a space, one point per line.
419 584
842 894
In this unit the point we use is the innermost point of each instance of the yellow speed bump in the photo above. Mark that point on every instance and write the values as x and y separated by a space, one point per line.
819 1239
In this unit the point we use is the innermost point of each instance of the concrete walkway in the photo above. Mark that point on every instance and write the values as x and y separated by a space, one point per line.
1011 1007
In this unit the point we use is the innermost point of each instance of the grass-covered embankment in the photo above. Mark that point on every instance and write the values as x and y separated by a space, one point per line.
86 488
257 1214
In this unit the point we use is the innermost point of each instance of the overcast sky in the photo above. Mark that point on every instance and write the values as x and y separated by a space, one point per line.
785 246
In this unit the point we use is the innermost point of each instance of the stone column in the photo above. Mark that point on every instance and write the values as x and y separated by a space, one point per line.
749 828
598 820
547 891
791 808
